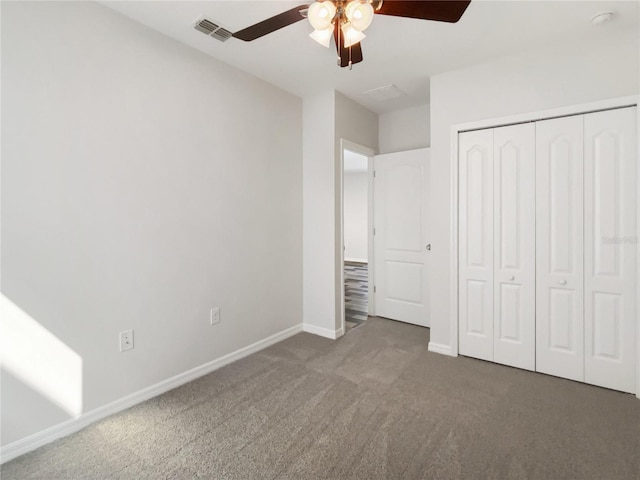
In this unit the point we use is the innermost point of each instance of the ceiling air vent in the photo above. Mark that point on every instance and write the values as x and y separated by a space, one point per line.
222 34
388 92
207 27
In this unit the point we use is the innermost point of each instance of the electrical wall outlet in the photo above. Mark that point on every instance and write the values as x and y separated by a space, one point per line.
214 317
126 340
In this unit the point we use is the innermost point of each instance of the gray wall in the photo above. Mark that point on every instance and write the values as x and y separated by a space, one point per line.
319 211
406 129
359 125
142 184
328 117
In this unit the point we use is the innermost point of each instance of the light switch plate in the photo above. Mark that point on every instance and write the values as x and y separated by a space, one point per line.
214 318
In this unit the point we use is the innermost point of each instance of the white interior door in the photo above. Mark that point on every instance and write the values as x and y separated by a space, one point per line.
559 245
475 297
514 246
401 236
610 248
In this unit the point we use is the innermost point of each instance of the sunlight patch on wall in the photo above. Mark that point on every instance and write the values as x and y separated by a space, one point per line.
40 359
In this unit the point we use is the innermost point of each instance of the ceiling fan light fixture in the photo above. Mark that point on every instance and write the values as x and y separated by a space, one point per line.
321 14
351 35
360 15
323 37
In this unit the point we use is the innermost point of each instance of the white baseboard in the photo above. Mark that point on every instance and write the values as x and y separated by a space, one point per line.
440 348
358 260
323 332
27 444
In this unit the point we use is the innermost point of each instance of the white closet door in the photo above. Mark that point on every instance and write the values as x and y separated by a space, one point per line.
514 246
610 248
559 250
475 154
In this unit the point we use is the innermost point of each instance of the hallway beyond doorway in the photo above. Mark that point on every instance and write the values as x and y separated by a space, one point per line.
355 294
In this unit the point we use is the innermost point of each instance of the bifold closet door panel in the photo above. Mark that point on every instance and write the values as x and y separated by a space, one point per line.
559 248
610 248
514 245
475 156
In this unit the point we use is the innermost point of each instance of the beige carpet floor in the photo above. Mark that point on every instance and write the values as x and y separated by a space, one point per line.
372 405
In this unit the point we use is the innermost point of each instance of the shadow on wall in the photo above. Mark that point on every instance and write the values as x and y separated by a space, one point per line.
41 375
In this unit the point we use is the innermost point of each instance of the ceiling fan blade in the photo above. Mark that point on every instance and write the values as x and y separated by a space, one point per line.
438 10
352 54
272 24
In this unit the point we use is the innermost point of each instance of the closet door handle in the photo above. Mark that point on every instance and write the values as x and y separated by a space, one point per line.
562 282
511 278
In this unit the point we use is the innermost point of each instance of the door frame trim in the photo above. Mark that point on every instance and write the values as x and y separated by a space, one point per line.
580 109
369 153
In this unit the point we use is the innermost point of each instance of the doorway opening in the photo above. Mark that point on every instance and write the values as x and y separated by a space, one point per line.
357 235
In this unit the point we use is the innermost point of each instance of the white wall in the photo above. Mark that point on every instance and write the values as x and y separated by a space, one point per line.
328 118
565 75
359 125
406 129
319 247
356 237
142 183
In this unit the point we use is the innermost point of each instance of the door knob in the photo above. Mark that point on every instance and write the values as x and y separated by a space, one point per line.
562 282
512 278
428 246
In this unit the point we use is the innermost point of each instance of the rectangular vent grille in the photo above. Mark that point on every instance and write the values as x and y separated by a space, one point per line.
222 34
207 27
388 92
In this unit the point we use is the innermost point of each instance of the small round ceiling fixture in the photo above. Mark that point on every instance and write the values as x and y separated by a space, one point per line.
602 18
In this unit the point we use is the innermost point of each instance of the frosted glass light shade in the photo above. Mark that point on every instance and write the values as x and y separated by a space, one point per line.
351 35
321 14
359 14
323 37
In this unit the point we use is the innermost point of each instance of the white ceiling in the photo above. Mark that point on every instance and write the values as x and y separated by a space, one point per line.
400 51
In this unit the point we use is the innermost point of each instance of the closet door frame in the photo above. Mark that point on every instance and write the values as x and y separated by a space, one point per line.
584 108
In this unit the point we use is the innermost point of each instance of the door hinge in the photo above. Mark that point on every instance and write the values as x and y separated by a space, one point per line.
374 231
374 174
374 289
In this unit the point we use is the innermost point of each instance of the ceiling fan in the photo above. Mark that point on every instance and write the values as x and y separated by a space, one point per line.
345 20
